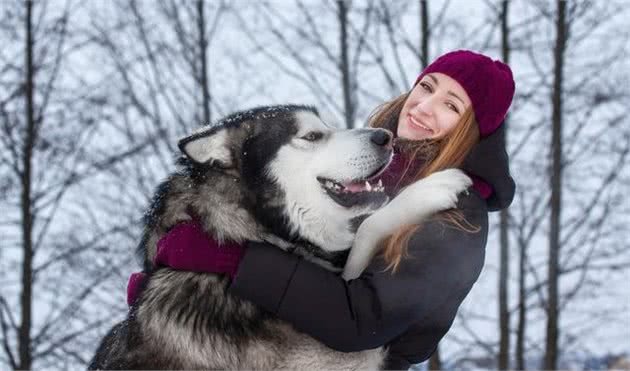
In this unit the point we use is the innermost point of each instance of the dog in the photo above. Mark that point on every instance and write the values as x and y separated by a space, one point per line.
277 174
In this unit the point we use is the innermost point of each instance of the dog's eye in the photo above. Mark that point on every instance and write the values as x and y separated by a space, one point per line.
313 136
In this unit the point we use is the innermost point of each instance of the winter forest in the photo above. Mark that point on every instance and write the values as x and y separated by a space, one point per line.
95 94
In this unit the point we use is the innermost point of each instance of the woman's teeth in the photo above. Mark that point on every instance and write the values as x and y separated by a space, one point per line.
417 123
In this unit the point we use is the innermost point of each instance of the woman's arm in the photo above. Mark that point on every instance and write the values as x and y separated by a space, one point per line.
379 306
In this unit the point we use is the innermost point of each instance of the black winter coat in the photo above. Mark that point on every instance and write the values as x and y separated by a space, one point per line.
409 311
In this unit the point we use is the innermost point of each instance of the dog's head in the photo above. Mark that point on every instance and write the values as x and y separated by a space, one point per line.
298 177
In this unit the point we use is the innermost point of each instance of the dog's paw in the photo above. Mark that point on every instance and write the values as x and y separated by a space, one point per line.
445 186
454 180
439 191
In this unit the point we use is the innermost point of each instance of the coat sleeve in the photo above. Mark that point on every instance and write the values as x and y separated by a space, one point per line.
377 307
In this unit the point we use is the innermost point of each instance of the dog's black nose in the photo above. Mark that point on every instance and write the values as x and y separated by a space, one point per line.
381 137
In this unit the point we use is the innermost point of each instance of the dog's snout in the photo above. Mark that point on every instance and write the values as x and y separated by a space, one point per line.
381 137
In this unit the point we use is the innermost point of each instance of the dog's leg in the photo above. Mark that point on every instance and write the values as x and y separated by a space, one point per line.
416 202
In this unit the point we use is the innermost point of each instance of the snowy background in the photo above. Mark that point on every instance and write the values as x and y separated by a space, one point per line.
94 95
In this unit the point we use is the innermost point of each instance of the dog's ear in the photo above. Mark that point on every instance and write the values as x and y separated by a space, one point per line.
208 146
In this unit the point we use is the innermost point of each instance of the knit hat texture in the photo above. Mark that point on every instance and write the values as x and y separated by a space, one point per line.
489 84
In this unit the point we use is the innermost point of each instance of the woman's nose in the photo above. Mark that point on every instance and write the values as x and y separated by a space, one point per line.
425 106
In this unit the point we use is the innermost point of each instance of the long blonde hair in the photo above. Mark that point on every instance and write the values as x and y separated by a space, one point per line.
450 152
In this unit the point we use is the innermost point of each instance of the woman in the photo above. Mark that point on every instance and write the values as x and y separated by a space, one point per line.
408 296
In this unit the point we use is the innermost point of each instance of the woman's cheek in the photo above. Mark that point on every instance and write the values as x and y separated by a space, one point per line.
449 122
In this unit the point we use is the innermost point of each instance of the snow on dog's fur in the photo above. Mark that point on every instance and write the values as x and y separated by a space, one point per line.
276 174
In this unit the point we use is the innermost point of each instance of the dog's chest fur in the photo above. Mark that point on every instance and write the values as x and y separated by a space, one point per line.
191 318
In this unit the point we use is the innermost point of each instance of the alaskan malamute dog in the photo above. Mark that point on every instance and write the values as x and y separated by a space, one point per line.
276 174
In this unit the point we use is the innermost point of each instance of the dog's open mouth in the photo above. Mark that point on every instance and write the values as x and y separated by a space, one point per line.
356 192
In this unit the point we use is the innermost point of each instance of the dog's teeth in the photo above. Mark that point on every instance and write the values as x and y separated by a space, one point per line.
329 184
368 186
380 183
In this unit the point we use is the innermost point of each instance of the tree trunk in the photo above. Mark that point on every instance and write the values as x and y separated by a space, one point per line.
425 33
504 260
434 362
203 56
26 295
344 63
551 346
522 308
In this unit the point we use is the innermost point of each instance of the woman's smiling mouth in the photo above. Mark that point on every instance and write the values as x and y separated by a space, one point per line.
418 125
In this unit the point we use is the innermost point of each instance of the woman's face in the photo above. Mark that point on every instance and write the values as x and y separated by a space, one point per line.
433 108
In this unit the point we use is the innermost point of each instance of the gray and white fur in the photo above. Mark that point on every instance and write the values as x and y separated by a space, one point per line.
277 174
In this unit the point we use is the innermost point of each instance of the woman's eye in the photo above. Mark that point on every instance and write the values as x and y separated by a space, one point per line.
425 86
452 107
313 136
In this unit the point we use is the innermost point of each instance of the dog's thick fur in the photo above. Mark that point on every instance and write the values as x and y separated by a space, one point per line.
269 174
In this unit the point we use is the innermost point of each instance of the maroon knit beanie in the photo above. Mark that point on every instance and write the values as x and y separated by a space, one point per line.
488 83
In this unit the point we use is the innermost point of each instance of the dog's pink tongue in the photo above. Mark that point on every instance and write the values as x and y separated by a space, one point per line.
355 187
